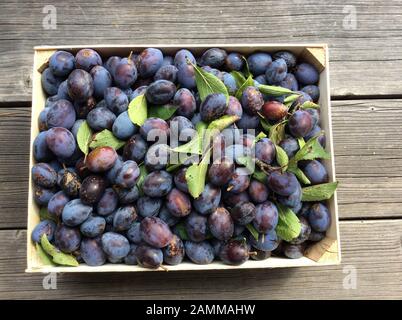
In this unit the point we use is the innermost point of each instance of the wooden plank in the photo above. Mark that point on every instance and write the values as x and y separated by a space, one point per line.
365 60
371 250
368 156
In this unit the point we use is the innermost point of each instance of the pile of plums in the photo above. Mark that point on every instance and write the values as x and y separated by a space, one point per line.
101 208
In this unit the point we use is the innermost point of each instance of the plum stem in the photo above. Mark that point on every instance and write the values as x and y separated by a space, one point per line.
163 267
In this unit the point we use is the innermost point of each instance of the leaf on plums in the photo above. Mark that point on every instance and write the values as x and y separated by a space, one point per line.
106 138
260 176
312 150
252 230
163 112
275 91
44 215
290 99
309 105
301 142
59 257
260 136
195 175
43 255
319 192
288 226
194 146
247 72
239 78
84 137
223 122
247 162
277 132
282 158
182 232
138 110
47 246
207 83
248 83
298 172
65 260
265 125
143 174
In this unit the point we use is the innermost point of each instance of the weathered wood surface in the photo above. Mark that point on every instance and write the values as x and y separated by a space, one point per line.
371 250
368 155
365 58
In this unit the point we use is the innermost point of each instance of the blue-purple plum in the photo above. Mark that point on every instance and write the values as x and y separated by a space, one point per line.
266 242
234 61
42 195
155 232
149 207
149 257
75 212
61 63
149 61
160 92
107 203
61 142
173 253
239 181
185 102
127 175
123 128
209 200
80 85
258 62
50 82
92 252
61 114
125 73
86 59
167 72
133 234
213 107
276 71
319 217
115 245
199 252
56 204
266 217
221 224
290 146
92 189
306 74
101 159
67 239
300 123
313 91
315 171
258 191
243 213
124 217
178 203
116 100
135 149
101 80
283 184
93 226
251 100
44 227
44 175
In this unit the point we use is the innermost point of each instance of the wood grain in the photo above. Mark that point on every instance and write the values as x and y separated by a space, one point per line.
368 156
371 249
365 60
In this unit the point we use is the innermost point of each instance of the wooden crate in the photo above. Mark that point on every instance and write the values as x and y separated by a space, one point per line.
326 252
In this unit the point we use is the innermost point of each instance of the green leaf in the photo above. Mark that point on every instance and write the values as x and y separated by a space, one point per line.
248 83
298 172
65 259
182 232
106 138
312 150
246 67
290 99
319 192
44 215
194 146
163 112
260 176
247 162
289 226
239 78
84 137
301 142
195 176
252 230
138 110
309 105
275 91
43 256
208 83
277 132
282 158
59 257
223 122
265 125
260 136
143 174
47 246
